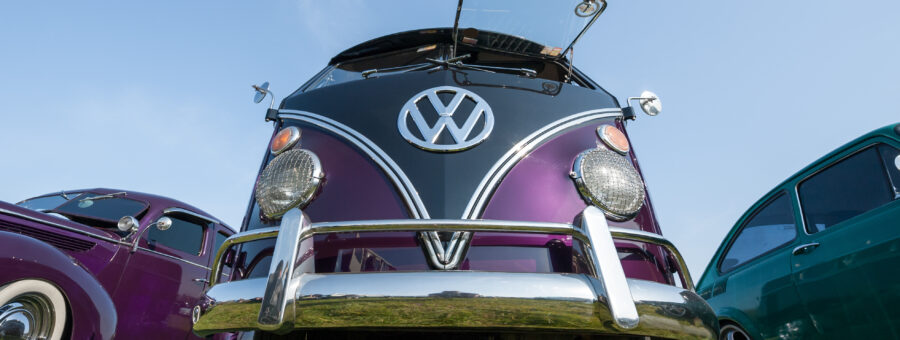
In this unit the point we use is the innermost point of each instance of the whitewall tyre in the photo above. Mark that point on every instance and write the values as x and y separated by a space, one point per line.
32 309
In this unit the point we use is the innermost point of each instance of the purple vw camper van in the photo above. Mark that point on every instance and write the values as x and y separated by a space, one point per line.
103 263
462 181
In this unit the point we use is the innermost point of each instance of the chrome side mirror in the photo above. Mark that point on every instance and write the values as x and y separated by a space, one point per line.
128 224
649 102
261 92
164 223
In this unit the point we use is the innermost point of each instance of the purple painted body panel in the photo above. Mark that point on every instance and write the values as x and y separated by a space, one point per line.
543 176
147 294
24 257
522 195
348 171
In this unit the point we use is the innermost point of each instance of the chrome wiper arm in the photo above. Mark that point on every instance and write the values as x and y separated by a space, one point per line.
457 62
101 197
365 74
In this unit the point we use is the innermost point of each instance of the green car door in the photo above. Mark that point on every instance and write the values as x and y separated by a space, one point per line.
754 274
847 266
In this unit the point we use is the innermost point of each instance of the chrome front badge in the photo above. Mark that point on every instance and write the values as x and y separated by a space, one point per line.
447 116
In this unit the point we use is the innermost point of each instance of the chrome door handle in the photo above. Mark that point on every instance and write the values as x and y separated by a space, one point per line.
805 249
199 280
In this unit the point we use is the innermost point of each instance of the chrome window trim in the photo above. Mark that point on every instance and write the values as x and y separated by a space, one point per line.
512 157
392 170
828 164
173 257
64 227
175 210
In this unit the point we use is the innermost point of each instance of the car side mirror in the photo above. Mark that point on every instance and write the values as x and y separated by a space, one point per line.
128 224
228 259
164 223
649 102
261 92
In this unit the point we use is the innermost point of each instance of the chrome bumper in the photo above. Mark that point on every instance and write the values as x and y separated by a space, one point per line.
606 302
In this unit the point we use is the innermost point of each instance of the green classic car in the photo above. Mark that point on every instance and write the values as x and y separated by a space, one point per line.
819 255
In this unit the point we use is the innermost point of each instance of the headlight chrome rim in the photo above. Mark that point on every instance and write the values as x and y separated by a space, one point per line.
596 196
305 196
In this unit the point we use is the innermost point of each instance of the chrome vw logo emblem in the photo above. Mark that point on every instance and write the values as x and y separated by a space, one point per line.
448 119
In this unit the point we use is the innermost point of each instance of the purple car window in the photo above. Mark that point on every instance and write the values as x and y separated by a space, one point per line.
108 210
844 190
184 236
770 228
45 203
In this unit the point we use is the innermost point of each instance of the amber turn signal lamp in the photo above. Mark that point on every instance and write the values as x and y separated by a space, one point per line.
285 139
613 138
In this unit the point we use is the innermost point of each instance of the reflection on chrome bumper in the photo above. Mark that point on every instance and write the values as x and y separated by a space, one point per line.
462 300
605 302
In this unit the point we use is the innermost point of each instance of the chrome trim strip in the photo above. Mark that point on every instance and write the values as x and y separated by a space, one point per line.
173 257
64 227
530 302
174 210
608 268
258 234
391 169
445 258
276 311
512 157
648 237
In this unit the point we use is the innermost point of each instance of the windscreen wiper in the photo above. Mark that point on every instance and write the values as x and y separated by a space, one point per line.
102 197
456 62
365 74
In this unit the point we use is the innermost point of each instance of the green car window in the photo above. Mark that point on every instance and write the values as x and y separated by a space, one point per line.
890 156
844 190
771 227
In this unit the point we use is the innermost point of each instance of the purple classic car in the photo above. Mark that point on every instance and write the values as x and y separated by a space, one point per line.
463 181
102 263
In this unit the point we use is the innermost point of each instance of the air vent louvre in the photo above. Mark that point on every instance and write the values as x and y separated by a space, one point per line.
59 241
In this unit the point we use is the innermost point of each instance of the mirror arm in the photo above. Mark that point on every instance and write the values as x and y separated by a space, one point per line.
137 239
628 111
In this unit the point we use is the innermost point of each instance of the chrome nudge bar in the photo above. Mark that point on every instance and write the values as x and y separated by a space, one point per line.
291 298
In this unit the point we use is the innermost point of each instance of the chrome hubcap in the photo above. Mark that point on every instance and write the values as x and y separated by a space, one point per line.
730 332
26 317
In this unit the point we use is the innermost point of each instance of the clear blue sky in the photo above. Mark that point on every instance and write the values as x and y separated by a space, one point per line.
155 96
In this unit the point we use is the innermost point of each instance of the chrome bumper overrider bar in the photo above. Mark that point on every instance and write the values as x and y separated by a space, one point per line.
293 299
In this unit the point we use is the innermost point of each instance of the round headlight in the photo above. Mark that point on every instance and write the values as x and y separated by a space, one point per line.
608 180
290 180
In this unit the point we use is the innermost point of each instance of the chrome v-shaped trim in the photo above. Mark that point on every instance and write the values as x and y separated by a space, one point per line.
449 257
512 157
392 170
439 256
